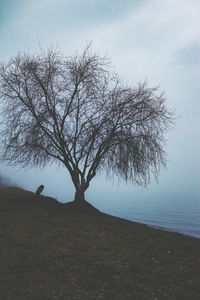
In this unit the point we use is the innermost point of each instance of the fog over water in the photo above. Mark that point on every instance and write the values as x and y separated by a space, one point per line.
154 40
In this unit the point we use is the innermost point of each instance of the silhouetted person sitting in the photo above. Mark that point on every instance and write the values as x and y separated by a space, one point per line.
39 190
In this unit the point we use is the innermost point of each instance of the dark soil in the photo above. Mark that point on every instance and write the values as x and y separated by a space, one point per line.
53 251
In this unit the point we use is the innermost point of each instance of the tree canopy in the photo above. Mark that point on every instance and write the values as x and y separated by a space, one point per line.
76 111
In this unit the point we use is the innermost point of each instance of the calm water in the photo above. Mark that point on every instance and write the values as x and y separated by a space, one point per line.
178 213
183 222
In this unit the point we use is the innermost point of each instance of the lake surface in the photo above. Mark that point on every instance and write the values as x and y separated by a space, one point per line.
179 213
172 220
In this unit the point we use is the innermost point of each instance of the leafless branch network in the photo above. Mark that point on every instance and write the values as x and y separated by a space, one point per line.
76 111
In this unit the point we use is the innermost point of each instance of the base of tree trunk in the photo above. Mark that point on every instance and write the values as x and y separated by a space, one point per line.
79 197
81 206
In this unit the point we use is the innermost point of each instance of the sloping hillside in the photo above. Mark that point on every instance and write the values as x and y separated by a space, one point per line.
53 251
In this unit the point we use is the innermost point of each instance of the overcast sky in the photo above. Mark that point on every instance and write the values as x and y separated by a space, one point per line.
157 40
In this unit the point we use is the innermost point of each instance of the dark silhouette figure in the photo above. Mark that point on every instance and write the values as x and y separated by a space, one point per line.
39 190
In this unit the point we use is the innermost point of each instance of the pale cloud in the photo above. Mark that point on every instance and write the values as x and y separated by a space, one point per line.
147 37
61 22
146 42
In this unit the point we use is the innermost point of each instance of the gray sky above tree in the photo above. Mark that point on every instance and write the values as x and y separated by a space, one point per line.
154 40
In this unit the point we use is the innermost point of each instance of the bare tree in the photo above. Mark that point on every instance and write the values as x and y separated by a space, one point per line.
76 111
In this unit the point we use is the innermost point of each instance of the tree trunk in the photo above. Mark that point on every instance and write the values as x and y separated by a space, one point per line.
79 196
